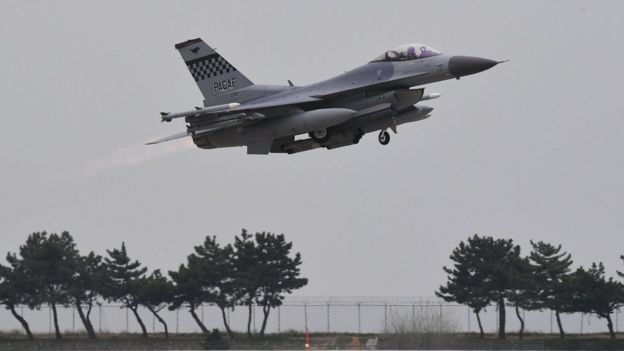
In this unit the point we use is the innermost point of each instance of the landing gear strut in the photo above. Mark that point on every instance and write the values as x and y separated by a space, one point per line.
319 135
384 137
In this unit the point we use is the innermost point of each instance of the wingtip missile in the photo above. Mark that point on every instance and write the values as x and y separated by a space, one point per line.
167 117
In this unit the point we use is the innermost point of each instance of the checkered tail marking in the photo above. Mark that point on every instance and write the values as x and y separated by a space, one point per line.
209 66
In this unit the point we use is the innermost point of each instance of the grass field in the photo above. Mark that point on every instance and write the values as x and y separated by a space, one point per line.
318 341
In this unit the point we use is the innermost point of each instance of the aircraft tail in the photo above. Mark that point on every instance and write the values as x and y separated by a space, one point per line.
216 78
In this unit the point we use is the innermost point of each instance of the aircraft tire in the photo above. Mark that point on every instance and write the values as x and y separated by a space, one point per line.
384 137
320 135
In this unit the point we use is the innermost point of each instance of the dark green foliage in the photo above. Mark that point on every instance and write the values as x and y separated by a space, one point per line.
154 292
247 273
264 272
123 281
188 291
257 270
84 288
488 270
16 289
217 275
280 273
521 292
485 270
593 293
207 277
552 273
464 282
215 341
50 262
49 270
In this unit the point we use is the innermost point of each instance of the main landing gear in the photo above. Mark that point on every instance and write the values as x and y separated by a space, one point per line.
384 137
319 135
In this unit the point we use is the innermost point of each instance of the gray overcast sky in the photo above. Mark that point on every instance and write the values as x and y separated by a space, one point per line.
531 149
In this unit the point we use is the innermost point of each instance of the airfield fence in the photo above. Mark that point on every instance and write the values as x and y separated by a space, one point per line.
345 314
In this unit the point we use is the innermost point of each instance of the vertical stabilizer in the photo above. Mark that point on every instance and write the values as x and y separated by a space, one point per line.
216 78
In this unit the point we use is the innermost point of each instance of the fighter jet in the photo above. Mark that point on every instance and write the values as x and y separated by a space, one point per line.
377 96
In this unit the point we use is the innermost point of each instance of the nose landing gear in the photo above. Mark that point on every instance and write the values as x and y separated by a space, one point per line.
384 137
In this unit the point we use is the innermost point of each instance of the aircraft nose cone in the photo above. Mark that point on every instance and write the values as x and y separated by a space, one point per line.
460 66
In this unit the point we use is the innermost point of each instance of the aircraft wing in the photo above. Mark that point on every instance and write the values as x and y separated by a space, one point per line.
231 108
211 127
215 118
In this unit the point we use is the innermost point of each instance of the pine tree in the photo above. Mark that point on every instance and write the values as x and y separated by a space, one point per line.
155 292
521 293
123 281
464 284
15 289
50 261
188 291
280 272
552 269
84 288
217 275
485 267
247 273
264 272
593 293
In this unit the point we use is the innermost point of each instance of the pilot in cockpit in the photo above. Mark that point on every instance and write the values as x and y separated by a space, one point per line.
408 52
425 52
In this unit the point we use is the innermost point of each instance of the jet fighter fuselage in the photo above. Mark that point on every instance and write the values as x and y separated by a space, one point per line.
336 112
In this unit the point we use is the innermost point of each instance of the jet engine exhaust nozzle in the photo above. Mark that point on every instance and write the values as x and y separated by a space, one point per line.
460 66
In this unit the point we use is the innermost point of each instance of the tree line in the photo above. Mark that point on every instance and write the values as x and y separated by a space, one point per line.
49 270
492 271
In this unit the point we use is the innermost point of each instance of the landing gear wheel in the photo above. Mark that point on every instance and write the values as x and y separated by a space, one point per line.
384 137
320 135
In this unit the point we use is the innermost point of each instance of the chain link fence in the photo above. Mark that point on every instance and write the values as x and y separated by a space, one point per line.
346 314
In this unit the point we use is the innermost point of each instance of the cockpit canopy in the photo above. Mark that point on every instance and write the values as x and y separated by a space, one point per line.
408 52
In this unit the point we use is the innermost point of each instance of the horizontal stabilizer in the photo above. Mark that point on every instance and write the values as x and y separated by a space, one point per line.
169 138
